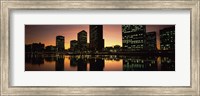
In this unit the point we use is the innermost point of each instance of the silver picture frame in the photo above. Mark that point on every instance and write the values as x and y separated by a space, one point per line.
8 5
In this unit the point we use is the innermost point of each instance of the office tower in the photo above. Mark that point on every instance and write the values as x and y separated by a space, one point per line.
167 38
151 41
133 37
96 37
82 40
73 45
60 43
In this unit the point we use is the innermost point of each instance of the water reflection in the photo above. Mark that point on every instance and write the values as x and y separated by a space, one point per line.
60 63
98 63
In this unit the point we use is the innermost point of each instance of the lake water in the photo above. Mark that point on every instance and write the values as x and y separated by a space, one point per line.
98 63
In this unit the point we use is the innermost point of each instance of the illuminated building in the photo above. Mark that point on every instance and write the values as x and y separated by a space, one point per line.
96 37
133 37
60 43
151 41
167 38
82 40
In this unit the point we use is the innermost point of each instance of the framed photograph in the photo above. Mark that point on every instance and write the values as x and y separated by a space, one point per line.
95 47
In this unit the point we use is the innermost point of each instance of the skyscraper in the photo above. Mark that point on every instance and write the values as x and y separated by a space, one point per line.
73 45
60 43
133 37
82 40
167 38
96 37
151 41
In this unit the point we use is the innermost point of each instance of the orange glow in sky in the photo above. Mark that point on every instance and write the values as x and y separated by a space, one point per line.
46 34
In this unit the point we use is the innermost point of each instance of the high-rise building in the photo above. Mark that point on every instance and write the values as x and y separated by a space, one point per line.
96 37
167 38
60 43
82 40
133 37
151 41
73 45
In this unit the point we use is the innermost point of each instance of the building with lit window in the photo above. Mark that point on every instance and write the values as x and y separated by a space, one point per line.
82 40
60 43
167 38
151 41
133 37
96 37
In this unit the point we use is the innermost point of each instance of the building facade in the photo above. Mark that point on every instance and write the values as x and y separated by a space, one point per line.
151 41
82 40
133 37
60 43
73 45
167 38
96 37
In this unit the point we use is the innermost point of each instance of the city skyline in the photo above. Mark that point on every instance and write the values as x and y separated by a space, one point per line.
112 34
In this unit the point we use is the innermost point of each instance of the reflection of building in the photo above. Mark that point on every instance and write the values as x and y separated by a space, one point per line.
36 59
73 45
133 37
96 64
151 63
50 48
60 63
168 63
50 58
167 38
82 65
60 43
151 41
96 37
82 40
73 61
134 64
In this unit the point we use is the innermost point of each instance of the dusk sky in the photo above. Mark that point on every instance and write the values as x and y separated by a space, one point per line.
46 34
